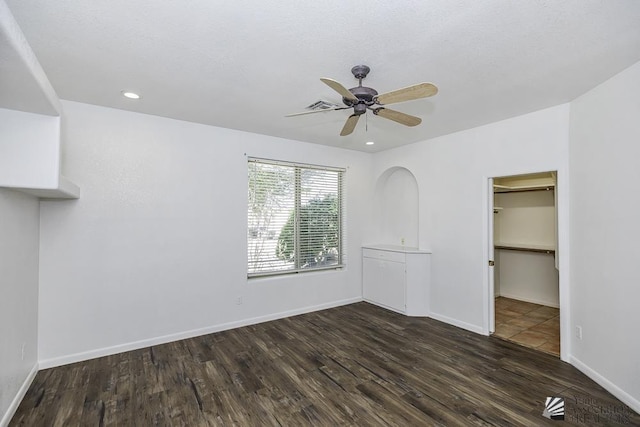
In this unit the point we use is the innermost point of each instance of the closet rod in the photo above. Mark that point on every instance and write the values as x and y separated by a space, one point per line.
515 248
523 190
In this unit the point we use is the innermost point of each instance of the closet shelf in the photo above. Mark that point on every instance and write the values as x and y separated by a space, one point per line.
529 182
526 247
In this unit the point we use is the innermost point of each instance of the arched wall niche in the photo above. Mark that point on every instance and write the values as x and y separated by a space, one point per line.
396 208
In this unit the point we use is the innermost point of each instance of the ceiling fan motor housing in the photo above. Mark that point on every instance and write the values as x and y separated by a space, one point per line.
365 97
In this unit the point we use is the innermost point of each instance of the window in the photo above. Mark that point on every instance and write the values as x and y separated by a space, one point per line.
295 217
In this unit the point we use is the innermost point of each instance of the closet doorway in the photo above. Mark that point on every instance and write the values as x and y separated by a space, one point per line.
526 294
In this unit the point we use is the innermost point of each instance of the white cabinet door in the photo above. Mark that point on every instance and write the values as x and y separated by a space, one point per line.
384 283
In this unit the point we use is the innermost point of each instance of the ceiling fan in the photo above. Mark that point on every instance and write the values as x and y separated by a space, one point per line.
361 98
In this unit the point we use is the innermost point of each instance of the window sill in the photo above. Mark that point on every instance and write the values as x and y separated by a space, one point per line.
278 274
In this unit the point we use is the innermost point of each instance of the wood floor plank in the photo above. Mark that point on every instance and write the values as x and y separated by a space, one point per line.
354 365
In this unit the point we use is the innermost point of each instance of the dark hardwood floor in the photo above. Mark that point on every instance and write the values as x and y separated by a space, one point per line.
352 365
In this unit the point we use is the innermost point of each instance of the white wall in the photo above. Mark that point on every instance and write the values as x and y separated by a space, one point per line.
452 173
527 276
527 217
605 231
19 297
30 149
155 249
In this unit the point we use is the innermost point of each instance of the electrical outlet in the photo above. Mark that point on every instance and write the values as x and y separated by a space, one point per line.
579 332
239 300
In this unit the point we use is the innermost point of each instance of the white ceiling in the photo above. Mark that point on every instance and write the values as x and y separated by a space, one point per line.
245 64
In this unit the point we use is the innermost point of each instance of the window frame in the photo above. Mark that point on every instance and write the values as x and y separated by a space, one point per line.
297 168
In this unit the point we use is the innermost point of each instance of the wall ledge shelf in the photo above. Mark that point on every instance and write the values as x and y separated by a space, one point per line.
65 190
32 112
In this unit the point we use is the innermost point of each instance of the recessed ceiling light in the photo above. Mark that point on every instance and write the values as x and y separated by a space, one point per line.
369 143
130 95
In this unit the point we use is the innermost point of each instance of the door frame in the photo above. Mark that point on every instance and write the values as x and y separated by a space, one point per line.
562 254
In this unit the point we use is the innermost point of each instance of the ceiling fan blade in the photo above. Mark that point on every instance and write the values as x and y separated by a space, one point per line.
421 90
350 125
316 111
397 116
339 88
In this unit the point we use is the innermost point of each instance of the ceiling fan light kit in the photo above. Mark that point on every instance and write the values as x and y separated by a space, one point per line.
362 98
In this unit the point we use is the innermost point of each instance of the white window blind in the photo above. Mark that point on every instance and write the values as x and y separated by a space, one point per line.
295 217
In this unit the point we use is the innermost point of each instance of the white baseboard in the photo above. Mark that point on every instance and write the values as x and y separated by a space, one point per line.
622 395
455 322
107 351
13 407
386 307
531 300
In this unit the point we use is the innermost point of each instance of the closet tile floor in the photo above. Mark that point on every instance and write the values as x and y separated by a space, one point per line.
531 325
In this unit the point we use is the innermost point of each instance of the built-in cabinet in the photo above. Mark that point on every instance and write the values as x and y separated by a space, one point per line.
396 274
397 278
